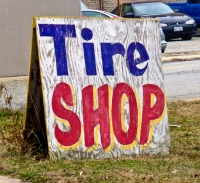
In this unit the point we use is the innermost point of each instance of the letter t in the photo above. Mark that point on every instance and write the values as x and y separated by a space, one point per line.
59 32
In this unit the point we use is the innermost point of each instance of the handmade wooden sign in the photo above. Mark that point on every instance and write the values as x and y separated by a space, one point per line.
98 85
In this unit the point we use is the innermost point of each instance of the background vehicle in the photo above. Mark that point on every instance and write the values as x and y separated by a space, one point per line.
103 14
162 40
83 6
98 13
190 7
174 25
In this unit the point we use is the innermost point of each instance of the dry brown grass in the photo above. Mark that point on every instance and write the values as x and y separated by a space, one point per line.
181 166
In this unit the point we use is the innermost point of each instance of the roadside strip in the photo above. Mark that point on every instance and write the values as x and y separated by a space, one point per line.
185 56
17 86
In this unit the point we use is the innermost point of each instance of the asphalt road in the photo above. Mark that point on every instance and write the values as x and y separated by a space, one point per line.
182 80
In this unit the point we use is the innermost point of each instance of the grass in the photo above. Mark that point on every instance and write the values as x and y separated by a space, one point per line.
181 166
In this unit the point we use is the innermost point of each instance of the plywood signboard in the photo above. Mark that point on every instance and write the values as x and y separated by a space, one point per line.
102 87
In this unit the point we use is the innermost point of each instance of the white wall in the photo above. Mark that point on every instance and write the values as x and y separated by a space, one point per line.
16 30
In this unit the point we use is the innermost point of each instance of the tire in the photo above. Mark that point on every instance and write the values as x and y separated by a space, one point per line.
167 38
187 37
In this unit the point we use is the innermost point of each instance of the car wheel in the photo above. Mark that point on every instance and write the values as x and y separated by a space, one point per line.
167 38
187 37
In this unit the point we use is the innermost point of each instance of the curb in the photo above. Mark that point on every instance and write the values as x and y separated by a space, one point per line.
16 89
175 57
18 86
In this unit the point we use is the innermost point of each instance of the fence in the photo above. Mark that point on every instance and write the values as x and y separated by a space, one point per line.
182 37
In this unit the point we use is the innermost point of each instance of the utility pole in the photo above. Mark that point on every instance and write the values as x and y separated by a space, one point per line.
101 4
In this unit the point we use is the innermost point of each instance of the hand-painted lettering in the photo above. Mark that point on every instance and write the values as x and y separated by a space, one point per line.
62 96
89 52
124 137
59 32
98 112
108 50
133 63
92 117
151 113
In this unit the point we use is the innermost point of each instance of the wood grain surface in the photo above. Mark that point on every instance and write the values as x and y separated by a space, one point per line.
124 31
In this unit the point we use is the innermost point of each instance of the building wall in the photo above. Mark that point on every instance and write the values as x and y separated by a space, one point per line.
109 5
16 30
92 4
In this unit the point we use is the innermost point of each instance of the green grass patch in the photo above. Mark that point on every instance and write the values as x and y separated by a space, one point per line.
181 166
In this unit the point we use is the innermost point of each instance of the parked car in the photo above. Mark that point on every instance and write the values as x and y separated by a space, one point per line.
189 7
83 6
162 41
98 13
174 24
103 14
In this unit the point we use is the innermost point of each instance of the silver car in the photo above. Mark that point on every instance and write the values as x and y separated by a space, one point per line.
163 42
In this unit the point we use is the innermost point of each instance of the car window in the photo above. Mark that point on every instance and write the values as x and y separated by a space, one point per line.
94 14
157 8
83 6
116 11
194 1
127 8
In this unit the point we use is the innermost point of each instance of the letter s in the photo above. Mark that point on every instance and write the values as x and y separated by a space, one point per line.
63 92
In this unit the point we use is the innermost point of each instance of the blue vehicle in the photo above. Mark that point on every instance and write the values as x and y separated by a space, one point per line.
190 7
